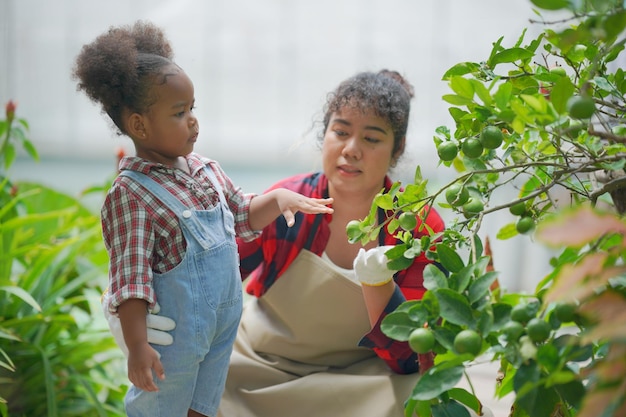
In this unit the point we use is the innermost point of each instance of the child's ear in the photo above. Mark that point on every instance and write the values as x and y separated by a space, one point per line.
135 126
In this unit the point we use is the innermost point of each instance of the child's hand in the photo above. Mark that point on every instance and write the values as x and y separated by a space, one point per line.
142 360
290 202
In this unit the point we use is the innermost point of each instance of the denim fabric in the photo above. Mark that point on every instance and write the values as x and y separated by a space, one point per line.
203 295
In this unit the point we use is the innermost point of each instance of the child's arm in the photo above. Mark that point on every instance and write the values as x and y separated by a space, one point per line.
142 358
265 208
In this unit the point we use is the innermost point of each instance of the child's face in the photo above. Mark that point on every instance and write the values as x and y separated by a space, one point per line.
170 126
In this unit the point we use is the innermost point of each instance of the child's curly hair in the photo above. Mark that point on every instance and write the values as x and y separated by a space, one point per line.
118 69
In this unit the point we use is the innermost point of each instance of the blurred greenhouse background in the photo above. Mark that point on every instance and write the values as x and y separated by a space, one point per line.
261 69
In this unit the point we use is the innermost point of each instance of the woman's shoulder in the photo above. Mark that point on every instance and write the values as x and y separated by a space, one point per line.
303 183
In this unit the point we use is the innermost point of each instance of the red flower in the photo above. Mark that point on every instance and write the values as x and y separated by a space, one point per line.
10 110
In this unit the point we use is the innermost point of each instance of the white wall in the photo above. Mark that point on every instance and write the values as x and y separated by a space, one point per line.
261 69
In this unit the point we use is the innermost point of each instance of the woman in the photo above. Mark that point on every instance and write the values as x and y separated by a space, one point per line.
309 342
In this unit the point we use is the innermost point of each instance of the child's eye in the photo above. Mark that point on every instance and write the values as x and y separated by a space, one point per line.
340 132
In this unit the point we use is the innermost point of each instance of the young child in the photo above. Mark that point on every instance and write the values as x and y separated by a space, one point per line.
169 224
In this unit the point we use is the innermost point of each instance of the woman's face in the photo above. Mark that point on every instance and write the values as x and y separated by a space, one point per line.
356 152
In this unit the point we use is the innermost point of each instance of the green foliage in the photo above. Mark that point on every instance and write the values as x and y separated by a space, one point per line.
552 144
57 357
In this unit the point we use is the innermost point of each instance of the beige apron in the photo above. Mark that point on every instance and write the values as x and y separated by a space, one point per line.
296 352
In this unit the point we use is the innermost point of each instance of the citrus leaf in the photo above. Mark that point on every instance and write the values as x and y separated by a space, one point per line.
449 259
434 278
454 307
436 381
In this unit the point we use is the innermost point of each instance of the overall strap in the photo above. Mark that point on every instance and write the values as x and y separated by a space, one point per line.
157 189
216 184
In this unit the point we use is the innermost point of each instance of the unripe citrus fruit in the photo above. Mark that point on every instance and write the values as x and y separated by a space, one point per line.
581 107
447 151
468 341
525 224
558 71
407 221
353 229
472 148
472 207
565 312
491 137
421 340
538 330
513 330
457 195
522 313
518 208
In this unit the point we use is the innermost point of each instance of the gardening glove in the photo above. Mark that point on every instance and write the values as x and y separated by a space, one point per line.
157 326
370 266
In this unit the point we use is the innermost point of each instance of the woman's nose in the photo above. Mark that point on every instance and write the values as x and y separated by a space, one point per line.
351 148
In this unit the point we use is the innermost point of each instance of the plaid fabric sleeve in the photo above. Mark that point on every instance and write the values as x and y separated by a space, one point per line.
128 237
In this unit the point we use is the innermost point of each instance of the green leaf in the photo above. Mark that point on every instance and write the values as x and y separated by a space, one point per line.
457 100
462 86
384 201
450 409
449 259
398 325
435 382
454 307
503 95
551 4
561 91
23 295
511 55
480 287
461 69
434 278
465 397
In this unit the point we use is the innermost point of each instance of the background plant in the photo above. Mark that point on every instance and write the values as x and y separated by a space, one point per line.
56 359
544 116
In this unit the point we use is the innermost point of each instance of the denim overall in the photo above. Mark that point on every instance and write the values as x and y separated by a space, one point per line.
203 295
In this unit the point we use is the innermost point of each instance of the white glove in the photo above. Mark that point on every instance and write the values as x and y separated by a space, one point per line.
157 326
370 266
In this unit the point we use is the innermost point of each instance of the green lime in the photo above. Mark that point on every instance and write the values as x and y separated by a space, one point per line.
407 221
581 107
472 148
513 330
558 71
565 312
522 313
472 207
491 137
518 208
457 195
447 151
538 330
353 229
524 225
468 341
422 340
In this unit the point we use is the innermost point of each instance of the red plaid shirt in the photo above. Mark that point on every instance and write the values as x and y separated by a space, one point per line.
142 236
266 258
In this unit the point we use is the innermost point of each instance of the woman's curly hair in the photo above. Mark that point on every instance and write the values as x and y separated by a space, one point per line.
118 69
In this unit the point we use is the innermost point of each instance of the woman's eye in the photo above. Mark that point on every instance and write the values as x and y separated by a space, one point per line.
372 140
340 132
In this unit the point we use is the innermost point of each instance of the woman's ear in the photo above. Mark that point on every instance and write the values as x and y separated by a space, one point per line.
135 126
